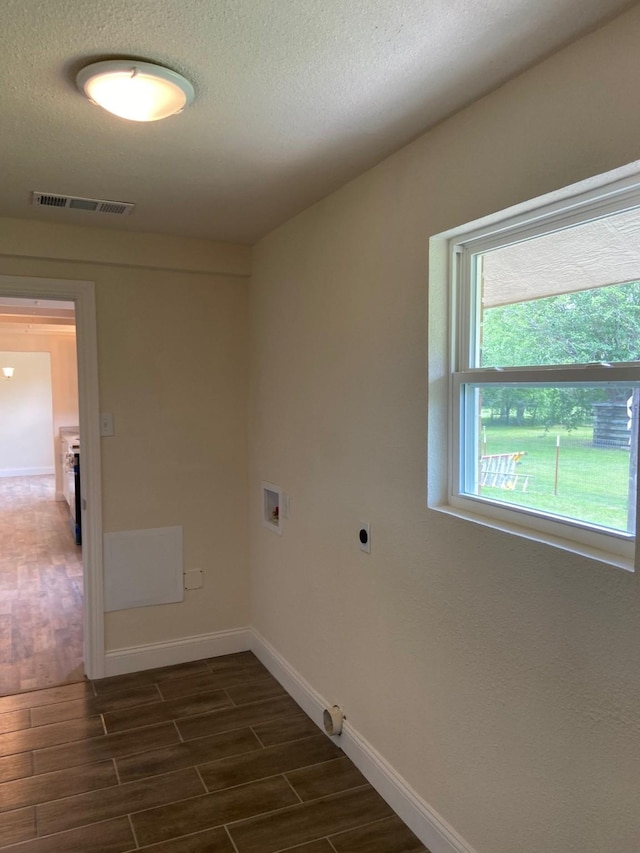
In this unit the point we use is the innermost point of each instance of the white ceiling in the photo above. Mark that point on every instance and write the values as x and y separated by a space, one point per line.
20 316
293 97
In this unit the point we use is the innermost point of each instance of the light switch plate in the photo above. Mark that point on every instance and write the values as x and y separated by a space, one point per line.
106 424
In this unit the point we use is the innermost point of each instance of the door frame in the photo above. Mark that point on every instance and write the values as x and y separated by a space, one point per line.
82 294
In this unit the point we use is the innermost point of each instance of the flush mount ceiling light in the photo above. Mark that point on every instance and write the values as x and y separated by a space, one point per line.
139 91
7 372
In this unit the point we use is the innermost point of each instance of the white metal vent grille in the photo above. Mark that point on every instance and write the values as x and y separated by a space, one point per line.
92 205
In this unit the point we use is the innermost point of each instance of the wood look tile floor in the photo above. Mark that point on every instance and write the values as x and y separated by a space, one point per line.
40 588
205 756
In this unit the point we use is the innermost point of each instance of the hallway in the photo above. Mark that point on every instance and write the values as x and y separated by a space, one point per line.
40 588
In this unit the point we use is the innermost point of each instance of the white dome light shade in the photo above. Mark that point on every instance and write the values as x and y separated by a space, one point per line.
139 91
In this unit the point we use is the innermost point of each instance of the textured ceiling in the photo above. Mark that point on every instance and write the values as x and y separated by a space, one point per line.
293 97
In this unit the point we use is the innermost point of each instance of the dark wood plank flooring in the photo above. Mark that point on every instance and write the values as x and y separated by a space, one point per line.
40 588
205 756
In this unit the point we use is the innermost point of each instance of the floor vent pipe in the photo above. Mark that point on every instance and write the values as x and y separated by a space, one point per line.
333 719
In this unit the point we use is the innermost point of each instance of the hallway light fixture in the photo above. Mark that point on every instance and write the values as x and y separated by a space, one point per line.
7 372
138 91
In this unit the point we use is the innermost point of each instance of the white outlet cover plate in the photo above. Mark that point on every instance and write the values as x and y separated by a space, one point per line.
193 579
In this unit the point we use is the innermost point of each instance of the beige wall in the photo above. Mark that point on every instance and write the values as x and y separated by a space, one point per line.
65 241
499 677
172 349
64 379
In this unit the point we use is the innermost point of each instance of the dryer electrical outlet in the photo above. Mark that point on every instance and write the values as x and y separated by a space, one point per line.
364 536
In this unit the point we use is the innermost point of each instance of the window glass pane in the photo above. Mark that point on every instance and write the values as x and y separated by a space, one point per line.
568 297
568 451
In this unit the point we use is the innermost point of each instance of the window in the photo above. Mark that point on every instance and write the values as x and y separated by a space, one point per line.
535 375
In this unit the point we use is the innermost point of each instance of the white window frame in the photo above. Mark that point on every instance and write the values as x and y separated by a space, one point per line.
451 356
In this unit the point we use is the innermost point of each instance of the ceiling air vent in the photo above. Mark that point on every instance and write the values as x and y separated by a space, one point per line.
93 205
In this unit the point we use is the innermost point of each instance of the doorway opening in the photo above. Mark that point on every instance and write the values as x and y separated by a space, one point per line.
41 575
50 492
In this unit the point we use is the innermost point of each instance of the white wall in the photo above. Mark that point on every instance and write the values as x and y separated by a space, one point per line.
499 677
64 380
26 415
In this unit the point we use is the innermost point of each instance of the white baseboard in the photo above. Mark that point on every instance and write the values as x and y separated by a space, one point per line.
25 472
434 832
120 661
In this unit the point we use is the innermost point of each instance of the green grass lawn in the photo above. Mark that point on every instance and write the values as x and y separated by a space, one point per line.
592 481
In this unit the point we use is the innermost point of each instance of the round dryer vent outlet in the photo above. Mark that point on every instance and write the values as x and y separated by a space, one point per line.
333 719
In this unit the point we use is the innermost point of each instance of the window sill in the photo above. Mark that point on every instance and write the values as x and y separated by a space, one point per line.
608 558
